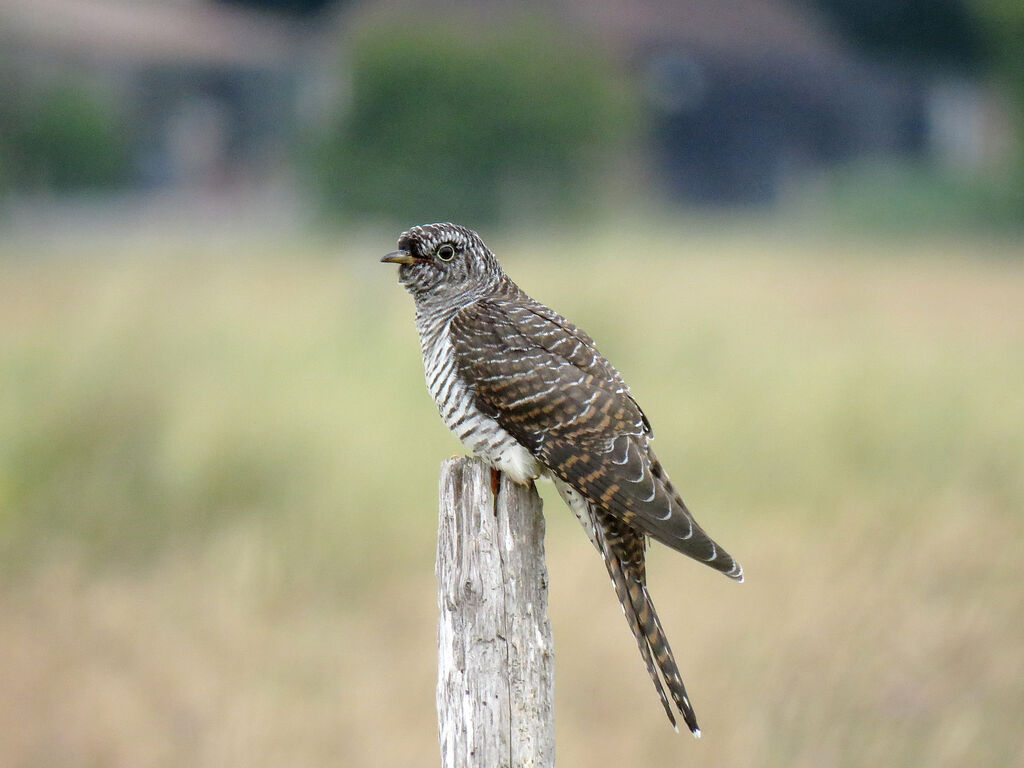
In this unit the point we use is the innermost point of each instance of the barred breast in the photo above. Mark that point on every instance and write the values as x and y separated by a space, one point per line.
455 401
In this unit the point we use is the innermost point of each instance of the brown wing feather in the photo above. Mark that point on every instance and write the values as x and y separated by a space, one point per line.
542 380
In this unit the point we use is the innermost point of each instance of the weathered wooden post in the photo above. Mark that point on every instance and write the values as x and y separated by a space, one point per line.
495 673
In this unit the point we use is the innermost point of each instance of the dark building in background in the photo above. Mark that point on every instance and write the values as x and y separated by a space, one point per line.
727 130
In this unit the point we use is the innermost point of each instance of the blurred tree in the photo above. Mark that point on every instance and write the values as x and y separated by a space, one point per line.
934 31
449 123
1003 23
11 109
67 139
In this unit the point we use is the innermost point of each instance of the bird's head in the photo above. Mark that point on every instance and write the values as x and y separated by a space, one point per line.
443 263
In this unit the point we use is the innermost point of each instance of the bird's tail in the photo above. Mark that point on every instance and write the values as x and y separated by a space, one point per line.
629 582
696 543
622 549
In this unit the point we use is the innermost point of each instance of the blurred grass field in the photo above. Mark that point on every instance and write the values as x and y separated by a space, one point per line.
218 469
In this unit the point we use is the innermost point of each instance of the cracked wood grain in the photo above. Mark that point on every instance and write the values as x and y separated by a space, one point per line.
495 682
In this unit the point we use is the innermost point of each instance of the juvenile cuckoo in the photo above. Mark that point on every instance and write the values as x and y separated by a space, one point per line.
528 392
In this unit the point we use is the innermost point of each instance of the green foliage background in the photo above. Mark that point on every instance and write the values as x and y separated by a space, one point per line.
62 138
464 124
1003 23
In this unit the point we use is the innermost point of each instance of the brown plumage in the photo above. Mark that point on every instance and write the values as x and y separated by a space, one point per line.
528 391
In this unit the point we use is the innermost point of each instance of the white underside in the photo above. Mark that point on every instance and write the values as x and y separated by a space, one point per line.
481 434
518 463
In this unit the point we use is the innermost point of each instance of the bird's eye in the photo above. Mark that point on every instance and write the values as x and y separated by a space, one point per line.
446 252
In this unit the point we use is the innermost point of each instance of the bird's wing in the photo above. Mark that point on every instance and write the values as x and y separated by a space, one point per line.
544 382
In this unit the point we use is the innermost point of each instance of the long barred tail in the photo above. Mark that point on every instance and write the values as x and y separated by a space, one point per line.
628 579
622 549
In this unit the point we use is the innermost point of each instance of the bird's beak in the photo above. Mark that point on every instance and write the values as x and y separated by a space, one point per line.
401 257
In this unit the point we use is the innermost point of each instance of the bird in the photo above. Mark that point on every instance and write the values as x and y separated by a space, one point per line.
529 393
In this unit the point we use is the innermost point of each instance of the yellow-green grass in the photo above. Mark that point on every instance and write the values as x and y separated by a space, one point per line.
217 501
